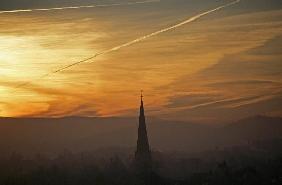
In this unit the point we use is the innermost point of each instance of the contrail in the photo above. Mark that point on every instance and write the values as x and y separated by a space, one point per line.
78 7
192 19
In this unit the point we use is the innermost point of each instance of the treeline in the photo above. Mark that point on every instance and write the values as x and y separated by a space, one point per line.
117 172
258 163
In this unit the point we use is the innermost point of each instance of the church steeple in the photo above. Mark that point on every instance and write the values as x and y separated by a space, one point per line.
143 153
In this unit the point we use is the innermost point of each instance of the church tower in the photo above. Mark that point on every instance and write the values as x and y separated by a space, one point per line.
143 154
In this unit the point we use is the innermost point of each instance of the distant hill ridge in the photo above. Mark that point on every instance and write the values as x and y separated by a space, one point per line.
47 135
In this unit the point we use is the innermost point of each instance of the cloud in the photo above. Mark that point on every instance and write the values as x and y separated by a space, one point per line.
250 64
56 102
271 47
191 100
243 83
240 85
202 65
142 38
225 110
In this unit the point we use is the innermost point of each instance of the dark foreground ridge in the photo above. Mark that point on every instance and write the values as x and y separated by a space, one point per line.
259 163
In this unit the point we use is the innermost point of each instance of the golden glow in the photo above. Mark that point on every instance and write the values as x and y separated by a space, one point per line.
177 63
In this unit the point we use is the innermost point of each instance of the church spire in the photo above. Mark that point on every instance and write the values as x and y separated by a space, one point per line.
143 153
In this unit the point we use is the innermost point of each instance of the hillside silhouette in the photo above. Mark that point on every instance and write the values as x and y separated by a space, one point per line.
53 135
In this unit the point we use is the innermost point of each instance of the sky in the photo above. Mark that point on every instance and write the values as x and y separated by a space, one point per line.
223 66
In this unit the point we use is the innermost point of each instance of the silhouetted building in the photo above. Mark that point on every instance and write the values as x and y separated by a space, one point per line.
143 158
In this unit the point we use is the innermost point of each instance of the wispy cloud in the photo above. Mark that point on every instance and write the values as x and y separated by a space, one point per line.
219 67
140 39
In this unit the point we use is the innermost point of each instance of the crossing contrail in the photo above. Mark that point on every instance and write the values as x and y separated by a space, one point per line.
78 7
192 19
187 21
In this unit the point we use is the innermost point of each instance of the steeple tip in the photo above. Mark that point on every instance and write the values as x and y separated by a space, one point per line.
141 95
141 106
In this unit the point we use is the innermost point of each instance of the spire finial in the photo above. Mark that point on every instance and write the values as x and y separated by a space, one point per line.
141 95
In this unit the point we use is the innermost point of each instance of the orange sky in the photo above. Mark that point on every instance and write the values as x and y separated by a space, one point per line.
222 66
